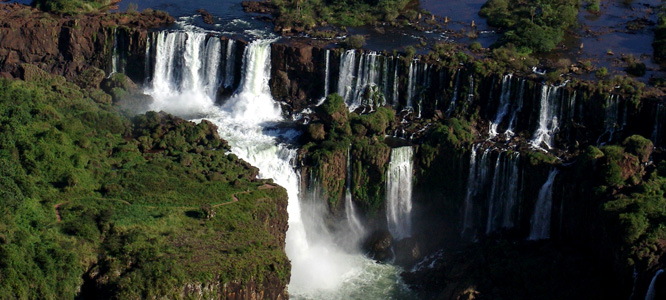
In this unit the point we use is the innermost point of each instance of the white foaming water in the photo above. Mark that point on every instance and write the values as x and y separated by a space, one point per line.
518 106
540 221
612 119
478 175
548 117
353 222
320 268
399 193
504 105
652 289
452 105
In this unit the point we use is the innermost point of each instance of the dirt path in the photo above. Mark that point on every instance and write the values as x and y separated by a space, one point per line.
55 207
235 199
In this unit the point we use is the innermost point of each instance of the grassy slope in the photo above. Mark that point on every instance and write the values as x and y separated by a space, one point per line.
129 194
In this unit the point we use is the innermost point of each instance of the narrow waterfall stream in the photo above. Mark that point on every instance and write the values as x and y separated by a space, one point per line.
399 192
540 222
548 117
503 107
183 85
652 289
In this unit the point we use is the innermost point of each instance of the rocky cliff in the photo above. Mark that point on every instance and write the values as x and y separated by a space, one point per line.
519 129
67 45
121 233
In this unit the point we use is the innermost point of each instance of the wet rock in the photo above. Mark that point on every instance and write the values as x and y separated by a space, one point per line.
258 7
207 17
407 252
378 245
69 45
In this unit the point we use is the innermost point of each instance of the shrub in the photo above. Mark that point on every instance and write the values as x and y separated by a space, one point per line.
354 42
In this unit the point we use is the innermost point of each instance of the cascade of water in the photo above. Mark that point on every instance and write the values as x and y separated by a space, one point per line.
320 268
326 72
346 78
395 82
182 61
652 289
454 97
230 63
386 87
478 173
470 92
656 132
411 83
115 57
518 106
146 63
211 66
612 122
353 222
512 194
548 117
493 212
540 222
504 105
504 192
399 192
364 79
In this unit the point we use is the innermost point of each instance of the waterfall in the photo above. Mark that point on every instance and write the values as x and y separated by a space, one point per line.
656 131
411 81
186 62
395 82
612 120
417 81
452 105
512 194
652 289
115 57
504 105
540 221
229 67
346 77
321 267
364 79
399 192
516 110
503 192
353 222
478 174
470 92
326 73
548 117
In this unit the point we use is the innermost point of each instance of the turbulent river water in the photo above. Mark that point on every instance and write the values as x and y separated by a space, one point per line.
181 84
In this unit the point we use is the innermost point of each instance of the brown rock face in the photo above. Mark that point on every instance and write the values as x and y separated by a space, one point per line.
68 45
207 17
297 73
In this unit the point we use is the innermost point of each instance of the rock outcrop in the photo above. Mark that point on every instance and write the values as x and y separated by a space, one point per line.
67 45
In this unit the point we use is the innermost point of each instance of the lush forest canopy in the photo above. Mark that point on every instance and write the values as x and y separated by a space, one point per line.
532 26
310 13
137 203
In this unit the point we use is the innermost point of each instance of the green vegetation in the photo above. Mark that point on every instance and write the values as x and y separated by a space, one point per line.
89 193
306 14
354 42
73 6
335 132
532 26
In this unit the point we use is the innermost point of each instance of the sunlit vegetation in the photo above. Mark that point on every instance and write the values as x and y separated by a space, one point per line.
532 26
335 132
88 193
74 6
307 14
